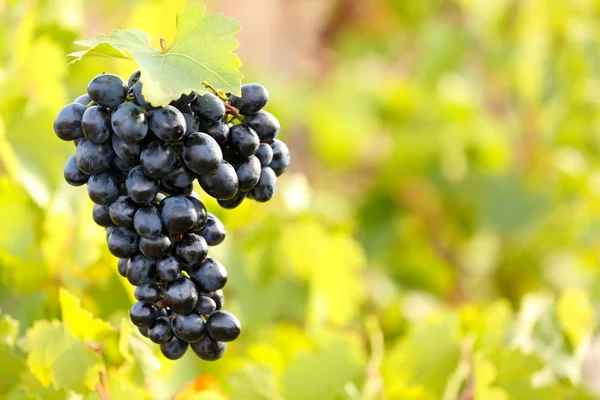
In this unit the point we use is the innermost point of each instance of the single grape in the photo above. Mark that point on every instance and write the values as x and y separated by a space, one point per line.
129 122
103 189
84 100
217 297
178 214
210 276
133 79
281 157
191 250
123 243
157 159
122 211
200 210
139 98
191 124
101 216
95 124
107 90
178 177
234 202
147 223
254 97
208 106
184 99
181 296
265 188
148 291
143 330
209 349
214 231
124 165
218 130
201 153
174 348
188 328
222 184
176 191
160 331
248 173
142 313
264 124
122 267
93 158
223 326
205 306
167 123
243 140
140 269
125 150
157 247
140 187
67 124
168 269
73 174
264 154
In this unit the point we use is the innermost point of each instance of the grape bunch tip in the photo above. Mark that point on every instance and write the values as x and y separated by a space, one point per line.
139 163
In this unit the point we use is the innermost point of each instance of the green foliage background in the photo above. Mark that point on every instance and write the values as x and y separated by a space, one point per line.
437 236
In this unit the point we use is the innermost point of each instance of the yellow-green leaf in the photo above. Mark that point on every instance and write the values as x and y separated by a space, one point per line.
575 314
79 321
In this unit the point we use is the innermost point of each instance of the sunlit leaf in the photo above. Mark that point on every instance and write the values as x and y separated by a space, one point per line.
79 321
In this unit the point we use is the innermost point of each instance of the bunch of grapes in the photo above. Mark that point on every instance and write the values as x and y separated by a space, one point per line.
139 163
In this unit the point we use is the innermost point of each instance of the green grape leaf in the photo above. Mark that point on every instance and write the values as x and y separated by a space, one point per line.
79 321
202 51
57 357
575 314
9 330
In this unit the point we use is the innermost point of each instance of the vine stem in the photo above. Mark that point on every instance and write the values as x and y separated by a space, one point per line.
91 103
217 92
102 386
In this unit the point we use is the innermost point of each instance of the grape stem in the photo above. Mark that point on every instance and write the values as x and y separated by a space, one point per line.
163 46
91 103
217 92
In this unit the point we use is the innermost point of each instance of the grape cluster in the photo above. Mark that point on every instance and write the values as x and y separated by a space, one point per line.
139 163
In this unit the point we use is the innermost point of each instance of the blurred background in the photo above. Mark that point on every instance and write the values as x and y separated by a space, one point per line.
436 237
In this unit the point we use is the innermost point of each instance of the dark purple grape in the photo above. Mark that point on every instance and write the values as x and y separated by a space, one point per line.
209 349
281 157
191 250
248 173
168 269
67 124
139 97
210 276
122 267
181 296
234 202
107 90
264 124
201 153
159 330
254 97
174 348
122 210
147 223
142 313
93 158
157 159
95 124
73 174
218 130
167 123
129 122
123 243
208 106
176 191
133 79
213 232
264 154
265 188
103 189
191 124
217 297
140 269
200 210
125 150
223 326
178 177
140 187
101 216
143 330
221 184
84 100
178 214
157 247
243 140
188 328
148 291
205 306
124 165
